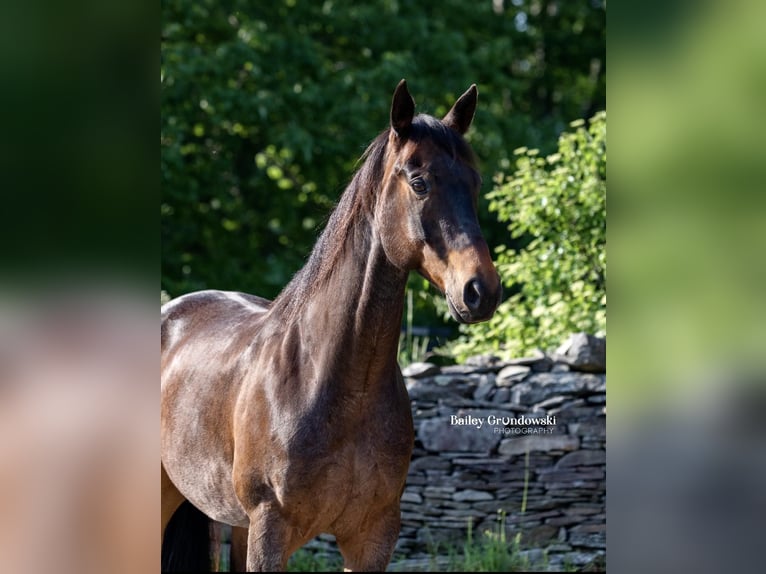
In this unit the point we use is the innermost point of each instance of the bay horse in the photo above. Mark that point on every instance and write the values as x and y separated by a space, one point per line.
291 418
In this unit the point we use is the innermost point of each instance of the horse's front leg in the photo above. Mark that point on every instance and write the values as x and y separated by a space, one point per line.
370 547
268 540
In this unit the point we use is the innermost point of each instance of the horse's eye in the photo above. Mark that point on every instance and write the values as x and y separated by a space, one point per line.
419 186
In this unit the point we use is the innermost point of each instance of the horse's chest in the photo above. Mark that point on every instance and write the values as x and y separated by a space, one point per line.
362 470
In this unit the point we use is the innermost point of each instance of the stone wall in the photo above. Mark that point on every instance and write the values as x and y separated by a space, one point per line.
470 458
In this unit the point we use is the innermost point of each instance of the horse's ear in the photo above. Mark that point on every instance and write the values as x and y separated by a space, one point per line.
402 110
459 118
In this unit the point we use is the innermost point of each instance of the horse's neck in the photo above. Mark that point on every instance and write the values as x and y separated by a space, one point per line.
360 306
352 316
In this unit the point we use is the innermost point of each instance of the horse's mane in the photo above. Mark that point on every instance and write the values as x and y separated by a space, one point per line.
358 200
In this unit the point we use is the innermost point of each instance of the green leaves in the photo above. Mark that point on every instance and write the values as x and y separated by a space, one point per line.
557 280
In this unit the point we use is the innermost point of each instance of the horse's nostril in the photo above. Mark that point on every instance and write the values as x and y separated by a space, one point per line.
472 294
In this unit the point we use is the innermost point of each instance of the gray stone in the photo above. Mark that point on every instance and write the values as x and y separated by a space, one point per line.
431 535
592 509
418 370
564 520
489 506
459 370
429 463
541 503
582 458
424 412
538 535
571 475
572 409
425 391
588 535
502 395
461 476
460 514
412 497
591 428
541 386
531 516
484 388
541 459
578 558
511 374
539 362
485 362
471 496
444 492
550 403
436 476
598 386
522 444
444 380
473 484
533 556
574 487
421 564
416 480
476 462
583 352
445 504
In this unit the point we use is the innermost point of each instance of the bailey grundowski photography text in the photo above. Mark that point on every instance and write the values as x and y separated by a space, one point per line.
508 425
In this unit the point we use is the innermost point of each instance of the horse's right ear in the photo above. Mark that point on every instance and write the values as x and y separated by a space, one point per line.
459 118
402 110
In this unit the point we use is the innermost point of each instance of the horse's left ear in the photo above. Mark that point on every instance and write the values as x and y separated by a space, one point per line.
459 118
402 110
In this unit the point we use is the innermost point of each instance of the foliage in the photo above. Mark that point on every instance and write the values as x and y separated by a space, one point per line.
492 552
304 560
557 206
266 108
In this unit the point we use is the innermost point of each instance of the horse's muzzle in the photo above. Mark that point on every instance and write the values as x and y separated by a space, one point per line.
480 299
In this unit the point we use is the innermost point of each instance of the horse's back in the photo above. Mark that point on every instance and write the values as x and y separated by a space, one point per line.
205 309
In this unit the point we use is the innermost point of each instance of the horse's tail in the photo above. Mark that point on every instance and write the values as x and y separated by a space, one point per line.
186 544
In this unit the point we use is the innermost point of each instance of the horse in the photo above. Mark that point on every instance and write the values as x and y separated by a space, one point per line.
290 417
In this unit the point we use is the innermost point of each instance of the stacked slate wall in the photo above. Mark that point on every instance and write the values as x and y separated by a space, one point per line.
477 440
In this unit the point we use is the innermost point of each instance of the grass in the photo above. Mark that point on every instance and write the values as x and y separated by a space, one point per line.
491 551
306 561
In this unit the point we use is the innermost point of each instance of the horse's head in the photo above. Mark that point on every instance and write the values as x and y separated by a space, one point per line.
427 216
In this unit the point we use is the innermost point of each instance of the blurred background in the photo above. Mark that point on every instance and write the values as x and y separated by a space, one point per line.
687 324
